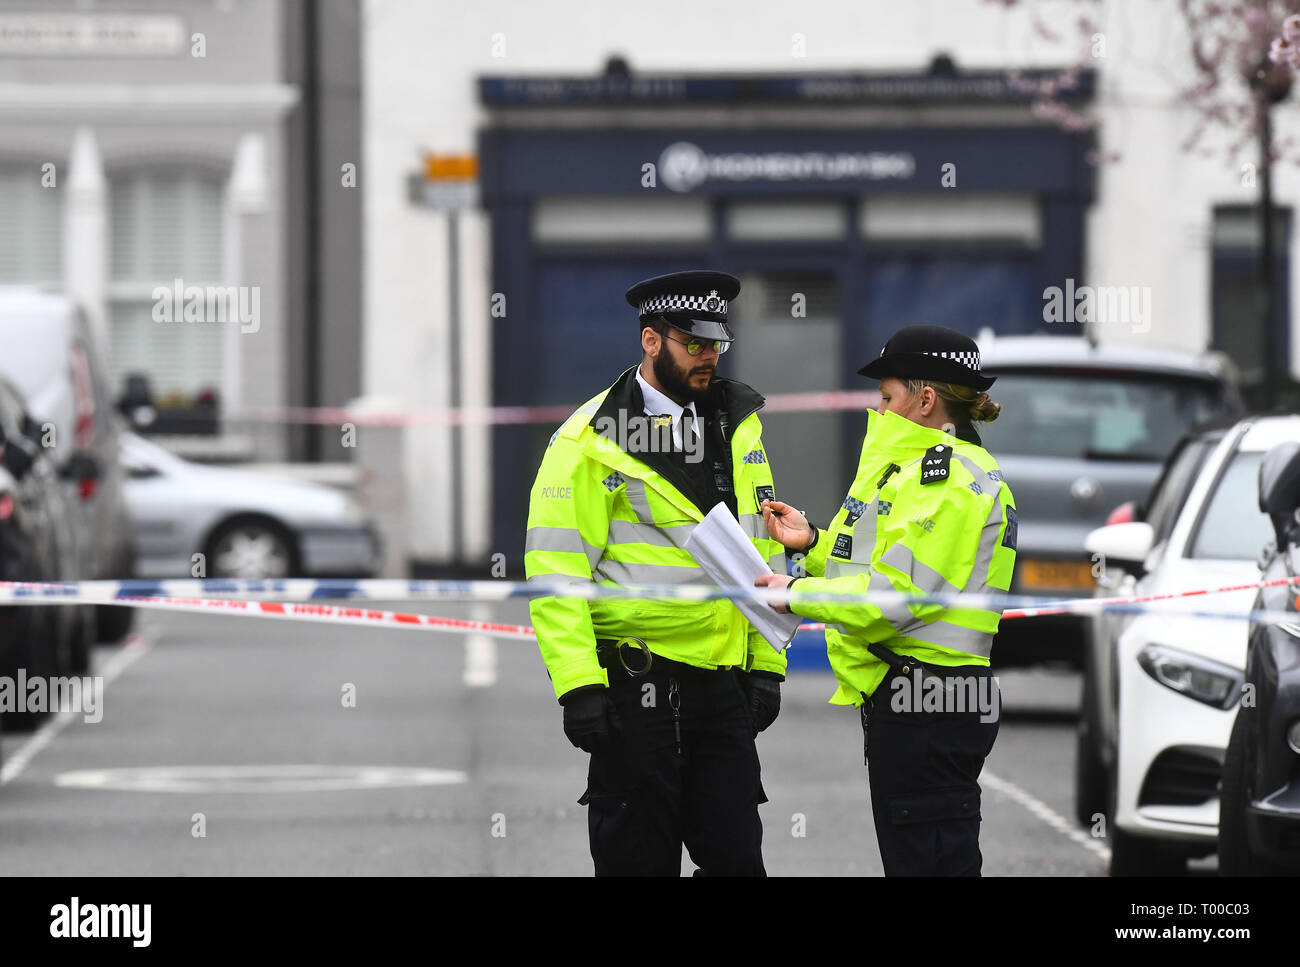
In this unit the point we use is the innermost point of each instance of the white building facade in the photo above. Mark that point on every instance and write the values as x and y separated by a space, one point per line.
820 152
159 160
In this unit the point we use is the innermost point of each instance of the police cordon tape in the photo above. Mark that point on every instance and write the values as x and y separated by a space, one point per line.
516 415
302 593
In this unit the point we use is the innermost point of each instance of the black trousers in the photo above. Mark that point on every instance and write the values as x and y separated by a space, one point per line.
924 749
682 770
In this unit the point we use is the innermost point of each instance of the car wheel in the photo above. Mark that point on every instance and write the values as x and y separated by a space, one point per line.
251 549
112 622
83 640
1091 778
34 643
1236 858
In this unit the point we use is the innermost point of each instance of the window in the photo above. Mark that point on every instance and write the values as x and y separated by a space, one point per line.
785 221
950 216
31 231
1233 527
1238 327
788 336
620 221
1116 416
166 224
1170 493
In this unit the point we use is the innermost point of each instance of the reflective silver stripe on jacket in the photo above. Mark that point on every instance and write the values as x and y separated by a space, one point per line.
567 540
928 581
634 532
945 634
864 542
926 578
975 469
622 572
640 503
556 579
979 577
753 526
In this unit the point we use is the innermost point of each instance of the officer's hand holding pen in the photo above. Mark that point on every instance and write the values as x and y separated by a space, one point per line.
787 525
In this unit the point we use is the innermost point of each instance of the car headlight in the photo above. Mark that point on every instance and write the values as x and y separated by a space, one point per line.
1198 678
1293 736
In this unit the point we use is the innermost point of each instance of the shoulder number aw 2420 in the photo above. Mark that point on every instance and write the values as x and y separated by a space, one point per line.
934 465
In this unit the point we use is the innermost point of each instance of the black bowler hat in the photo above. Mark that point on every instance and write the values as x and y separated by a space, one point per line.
930 352
694 302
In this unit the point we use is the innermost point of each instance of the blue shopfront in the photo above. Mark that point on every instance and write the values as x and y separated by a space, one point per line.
839 235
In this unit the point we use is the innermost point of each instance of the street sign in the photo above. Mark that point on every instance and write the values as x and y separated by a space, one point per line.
447 183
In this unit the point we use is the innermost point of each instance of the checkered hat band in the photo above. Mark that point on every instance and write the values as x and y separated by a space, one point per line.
677 303
968 359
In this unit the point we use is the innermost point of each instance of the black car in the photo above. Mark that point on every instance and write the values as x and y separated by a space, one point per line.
49 640
1259 803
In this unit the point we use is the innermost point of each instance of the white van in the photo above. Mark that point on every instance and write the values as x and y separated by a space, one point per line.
51 354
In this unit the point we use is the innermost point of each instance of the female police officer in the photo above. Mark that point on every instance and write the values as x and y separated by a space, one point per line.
928 513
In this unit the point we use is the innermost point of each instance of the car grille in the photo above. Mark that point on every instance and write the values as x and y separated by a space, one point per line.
1181 777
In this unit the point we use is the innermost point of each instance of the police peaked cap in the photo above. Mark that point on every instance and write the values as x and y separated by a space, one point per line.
930 352
694 302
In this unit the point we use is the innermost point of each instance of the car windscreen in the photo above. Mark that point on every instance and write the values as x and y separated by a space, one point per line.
1232 527
1095 415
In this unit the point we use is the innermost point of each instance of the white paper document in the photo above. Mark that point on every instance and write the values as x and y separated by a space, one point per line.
730 559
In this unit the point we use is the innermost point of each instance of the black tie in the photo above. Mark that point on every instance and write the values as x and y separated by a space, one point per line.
688 431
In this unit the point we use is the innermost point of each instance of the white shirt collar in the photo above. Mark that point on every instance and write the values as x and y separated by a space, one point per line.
656 403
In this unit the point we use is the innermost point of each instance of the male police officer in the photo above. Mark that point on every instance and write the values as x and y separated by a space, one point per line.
666 695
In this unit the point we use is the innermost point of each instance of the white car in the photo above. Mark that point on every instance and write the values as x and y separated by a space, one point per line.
245 524
1176 680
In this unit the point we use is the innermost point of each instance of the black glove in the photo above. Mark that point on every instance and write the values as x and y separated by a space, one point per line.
763 692
590 718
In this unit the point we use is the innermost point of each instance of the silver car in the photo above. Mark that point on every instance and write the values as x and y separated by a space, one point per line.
192 520
1084 429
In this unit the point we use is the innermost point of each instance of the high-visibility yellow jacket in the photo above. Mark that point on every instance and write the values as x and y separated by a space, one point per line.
944 521
600 514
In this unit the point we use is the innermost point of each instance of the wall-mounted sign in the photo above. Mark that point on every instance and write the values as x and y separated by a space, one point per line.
91 34
684 166
812 88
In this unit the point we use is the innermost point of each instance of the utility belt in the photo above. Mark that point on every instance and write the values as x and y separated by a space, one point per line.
632 656
907 665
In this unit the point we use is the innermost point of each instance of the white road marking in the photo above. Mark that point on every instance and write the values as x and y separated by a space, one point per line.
126 656
257 778
1046 813
480 655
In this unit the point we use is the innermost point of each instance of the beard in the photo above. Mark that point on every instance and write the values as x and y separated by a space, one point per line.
676 381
